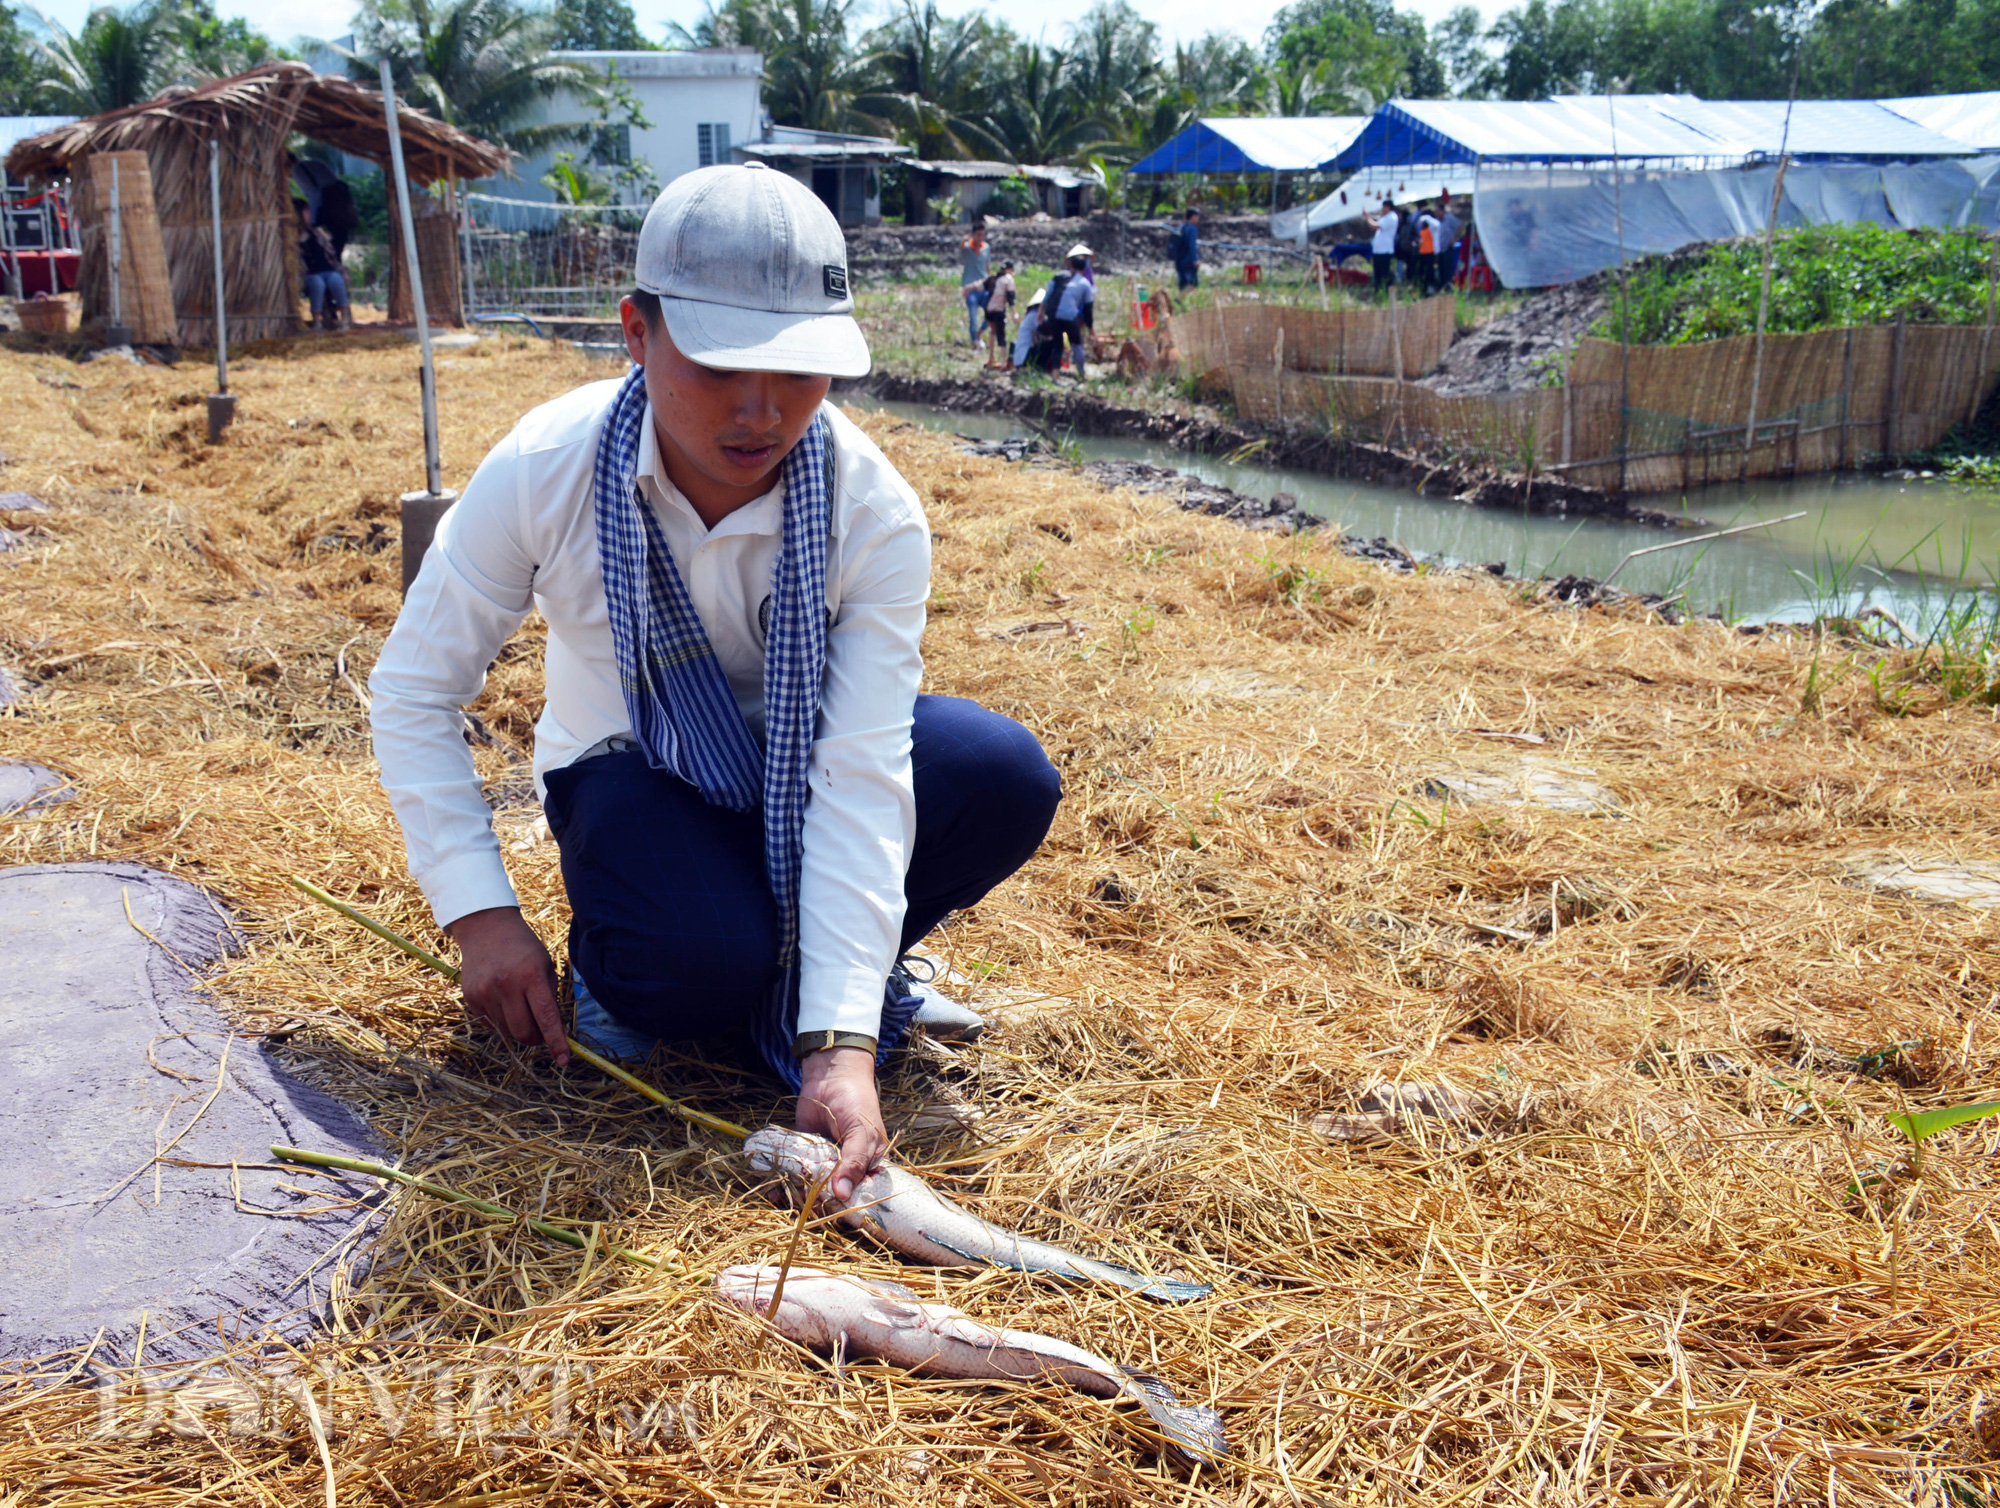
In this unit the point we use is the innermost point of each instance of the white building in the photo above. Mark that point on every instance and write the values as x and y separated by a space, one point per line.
699 106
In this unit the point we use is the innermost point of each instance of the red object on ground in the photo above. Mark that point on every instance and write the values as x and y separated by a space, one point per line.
48 272
1252 273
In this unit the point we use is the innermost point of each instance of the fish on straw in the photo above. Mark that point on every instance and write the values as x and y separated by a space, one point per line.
892 1203
869 1317
909 1216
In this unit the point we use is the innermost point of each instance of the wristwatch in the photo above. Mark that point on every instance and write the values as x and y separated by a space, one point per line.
812 1042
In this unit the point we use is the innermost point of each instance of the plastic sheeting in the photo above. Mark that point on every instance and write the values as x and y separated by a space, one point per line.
1973 120
1540 226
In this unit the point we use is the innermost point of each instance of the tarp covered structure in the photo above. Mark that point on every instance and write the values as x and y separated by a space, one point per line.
1676 129
1973 120
1250 144
1541 226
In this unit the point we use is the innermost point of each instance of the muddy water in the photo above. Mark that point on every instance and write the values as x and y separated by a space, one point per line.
1900 545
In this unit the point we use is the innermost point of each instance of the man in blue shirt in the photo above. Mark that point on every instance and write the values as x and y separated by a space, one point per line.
1075 300
1186 248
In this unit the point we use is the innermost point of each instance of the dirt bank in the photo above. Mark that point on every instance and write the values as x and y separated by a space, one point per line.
1121 245
1064 407
1526 347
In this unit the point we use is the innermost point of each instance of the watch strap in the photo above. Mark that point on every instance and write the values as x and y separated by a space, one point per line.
809 1043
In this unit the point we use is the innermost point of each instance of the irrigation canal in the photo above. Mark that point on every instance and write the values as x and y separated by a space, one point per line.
1902 545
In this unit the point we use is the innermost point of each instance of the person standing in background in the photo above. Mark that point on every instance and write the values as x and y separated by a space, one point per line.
1450 229
1185 245
1428 230
1075 311
1382 248
972 274
999 299
1031 329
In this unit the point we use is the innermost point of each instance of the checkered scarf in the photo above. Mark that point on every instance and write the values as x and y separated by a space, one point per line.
684 716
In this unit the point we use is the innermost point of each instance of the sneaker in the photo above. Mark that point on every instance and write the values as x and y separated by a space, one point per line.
942 1018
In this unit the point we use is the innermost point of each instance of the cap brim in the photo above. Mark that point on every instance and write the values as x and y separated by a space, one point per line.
757 340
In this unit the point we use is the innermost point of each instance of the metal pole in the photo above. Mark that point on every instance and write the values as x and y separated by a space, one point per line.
465 238
14 289
221 406
117 333
421 510
416 275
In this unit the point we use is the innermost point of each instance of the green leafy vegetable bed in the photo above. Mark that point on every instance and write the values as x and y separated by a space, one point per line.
1821 277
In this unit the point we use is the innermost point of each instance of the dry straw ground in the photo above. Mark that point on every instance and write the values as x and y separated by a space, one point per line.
1622 1262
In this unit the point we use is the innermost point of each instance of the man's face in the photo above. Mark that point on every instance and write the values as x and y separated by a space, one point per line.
728 429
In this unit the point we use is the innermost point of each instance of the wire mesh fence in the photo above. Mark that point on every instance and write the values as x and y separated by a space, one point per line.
525 256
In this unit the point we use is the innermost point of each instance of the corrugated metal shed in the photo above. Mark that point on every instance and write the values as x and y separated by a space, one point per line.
1972 120
1253 144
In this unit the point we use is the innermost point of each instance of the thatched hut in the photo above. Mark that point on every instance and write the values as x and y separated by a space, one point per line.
251 115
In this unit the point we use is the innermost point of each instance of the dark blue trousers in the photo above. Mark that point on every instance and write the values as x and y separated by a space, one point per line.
673 927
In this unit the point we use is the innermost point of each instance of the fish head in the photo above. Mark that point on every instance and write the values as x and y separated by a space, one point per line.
750 1287
798 1158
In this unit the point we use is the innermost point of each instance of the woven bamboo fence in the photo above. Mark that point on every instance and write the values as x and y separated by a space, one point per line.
145 294
1661 418
437 256
1405 340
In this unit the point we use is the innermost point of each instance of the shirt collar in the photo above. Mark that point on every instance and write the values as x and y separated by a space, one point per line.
764 515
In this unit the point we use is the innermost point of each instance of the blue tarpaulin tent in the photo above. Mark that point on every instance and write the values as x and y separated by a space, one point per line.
1252 144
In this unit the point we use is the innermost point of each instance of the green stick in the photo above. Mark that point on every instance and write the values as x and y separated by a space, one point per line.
453 1196
396 939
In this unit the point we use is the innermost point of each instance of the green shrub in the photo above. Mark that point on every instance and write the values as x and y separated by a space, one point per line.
1822 277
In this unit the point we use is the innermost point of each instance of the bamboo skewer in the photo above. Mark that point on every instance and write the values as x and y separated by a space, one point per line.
396 939
453 1196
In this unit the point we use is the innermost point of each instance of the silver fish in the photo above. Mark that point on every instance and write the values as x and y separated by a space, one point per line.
867 1317
911 1217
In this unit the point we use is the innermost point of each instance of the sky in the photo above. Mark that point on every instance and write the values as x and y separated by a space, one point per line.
1178 20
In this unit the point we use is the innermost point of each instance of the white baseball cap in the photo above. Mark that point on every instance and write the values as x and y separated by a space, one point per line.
751 272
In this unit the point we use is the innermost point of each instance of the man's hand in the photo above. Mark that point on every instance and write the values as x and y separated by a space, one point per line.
508 978
839 1103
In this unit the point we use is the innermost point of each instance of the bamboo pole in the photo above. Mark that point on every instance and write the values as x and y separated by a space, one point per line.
396 939
1764 307
1985 335
453 1196
1892 426
1846 400
1624 299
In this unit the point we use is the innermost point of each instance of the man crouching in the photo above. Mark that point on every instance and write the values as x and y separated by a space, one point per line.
756 811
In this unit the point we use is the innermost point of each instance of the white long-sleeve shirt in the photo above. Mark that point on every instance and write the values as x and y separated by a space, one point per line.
524 534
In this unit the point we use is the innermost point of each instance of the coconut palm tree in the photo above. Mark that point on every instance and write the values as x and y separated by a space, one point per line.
118 58
1040 115
482 65
934 81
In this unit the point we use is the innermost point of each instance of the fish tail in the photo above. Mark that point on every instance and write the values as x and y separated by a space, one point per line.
1176 1290
1166 1290
1194 1431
